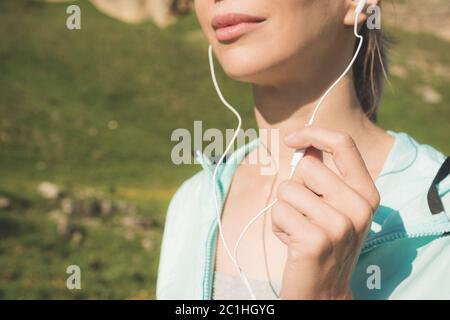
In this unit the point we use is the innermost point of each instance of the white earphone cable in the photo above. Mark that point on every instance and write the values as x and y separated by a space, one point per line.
298 154
232 109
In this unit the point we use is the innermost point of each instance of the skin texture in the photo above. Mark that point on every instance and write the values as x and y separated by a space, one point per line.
310 241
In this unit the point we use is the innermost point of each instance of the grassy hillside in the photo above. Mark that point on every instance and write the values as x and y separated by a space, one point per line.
94 109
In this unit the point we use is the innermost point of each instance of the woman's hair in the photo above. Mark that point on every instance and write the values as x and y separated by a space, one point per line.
370 70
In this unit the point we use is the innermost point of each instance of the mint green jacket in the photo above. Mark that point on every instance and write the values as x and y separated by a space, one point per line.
407 249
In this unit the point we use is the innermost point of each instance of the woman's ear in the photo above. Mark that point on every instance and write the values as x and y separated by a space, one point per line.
349 19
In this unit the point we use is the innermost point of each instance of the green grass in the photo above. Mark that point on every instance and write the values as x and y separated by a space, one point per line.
402 108
59 89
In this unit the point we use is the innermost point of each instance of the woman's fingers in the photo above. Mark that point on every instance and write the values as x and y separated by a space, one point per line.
345 155
296 231
321 180
338 226
286 220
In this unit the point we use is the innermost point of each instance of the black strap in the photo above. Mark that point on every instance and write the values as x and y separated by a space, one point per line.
434 201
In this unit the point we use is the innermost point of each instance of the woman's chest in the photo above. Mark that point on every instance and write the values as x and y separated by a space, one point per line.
260 254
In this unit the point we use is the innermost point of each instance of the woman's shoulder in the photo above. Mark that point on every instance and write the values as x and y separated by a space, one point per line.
409 155
415 188
413 164
191 189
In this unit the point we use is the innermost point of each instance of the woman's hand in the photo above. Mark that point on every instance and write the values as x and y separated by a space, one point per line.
322 216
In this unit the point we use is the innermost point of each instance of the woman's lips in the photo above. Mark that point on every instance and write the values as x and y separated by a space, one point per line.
233 25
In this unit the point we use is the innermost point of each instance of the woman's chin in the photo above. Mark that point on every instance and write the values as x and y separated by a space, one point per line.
241 75
247 64
236 59
243 70
254 74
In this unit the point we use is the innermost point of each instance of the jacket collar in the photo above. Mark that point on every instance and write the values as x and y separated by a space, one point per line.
389 221
402 155
228 167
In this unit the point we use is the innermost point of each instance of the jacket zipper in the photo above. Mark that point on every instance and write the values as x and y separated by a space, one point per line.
398 235
210 248
208 275
210 253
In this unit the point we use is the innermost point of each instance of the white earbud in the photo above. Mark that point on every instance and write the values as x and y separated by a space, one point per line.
297 156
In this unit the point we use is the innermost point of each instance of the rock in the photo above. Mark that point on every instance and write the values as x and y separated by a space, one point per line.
67 205
5 203
399 71
429 94
133 223
94 205
113 125
62 223
147 244
49 190
91 207
106 207
73 207
77 238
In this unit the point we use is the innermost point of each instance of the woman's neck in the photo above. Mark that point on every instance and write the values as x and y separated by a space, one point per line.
289 107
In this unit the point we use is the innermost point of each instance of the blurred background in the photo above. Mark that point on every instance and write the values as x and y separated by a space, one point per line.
85 123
